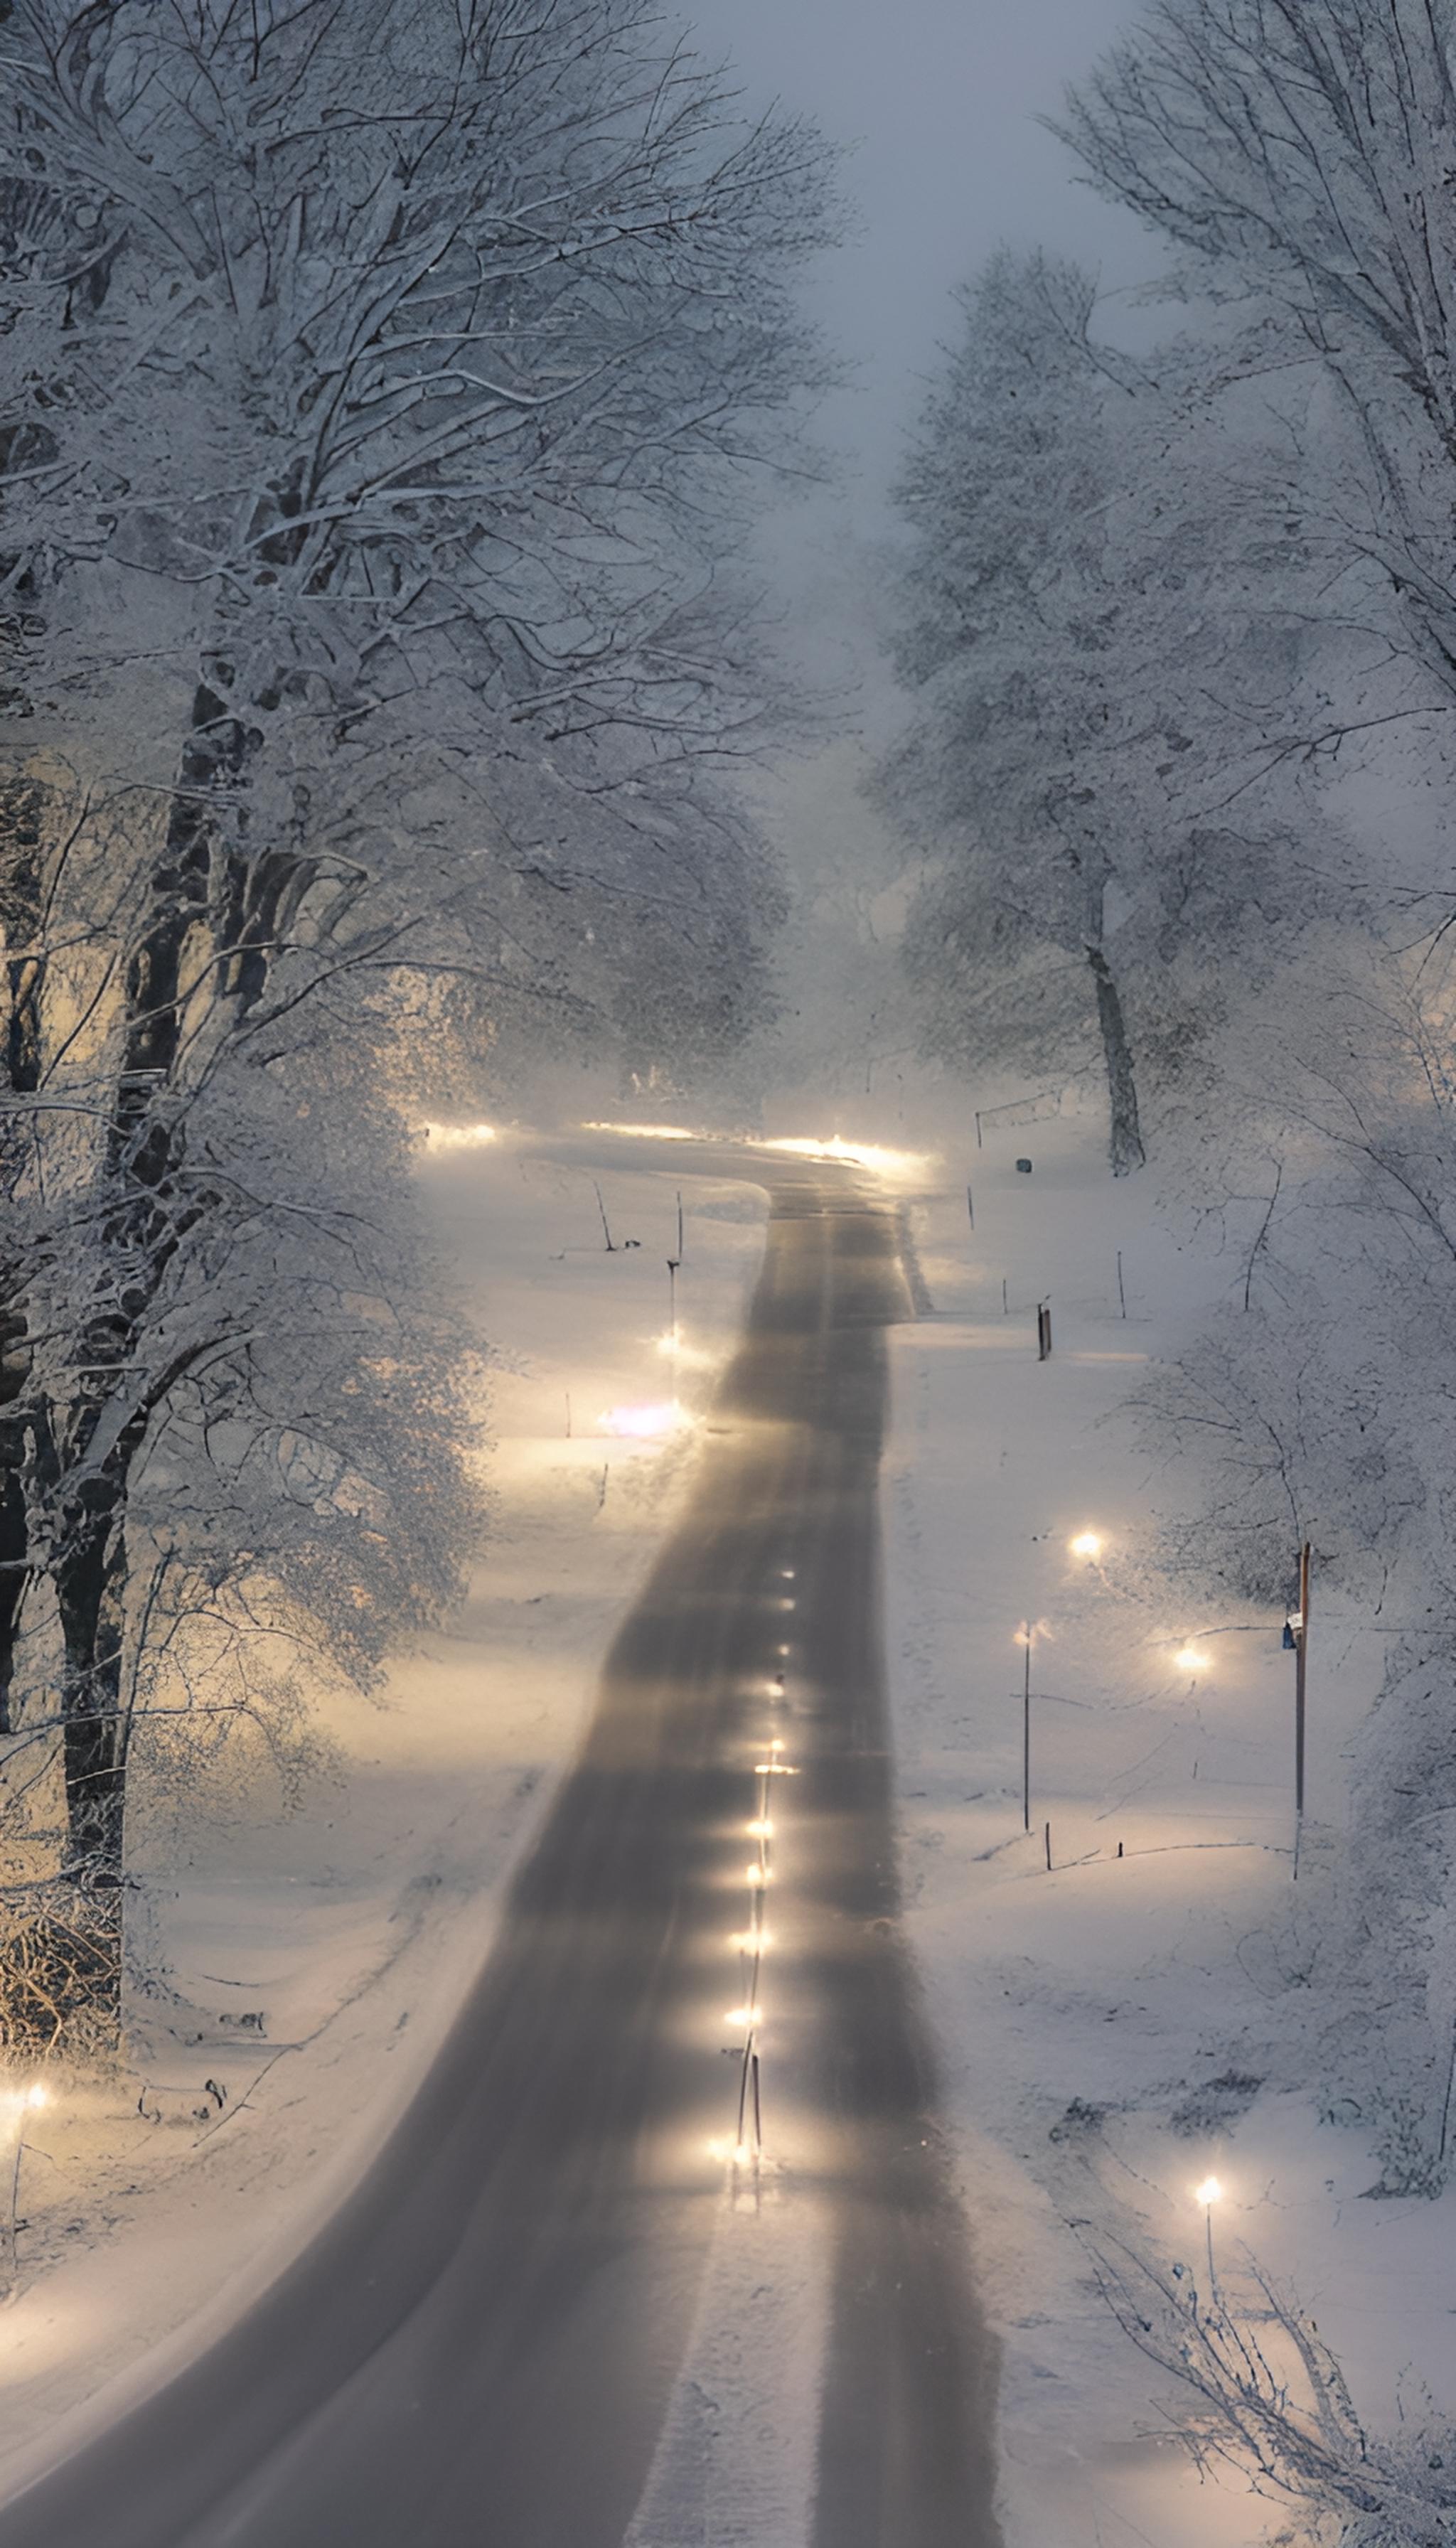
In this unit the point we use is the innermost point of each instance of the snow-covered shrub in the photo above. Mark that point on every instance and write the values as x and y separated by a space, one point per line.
1269 2398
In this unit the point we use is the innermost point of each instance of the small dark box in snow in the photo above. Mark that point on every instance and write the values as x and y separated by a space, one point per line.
1023 1167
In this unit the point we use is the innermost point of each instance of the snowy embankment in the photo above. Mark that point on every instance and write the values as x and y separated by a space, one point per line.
1119 2029
294 1972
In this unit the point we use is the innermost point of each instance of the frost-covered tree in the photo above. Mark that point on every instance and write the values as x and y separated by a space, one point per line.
381 393
240 1422
1299 159
1319 1404
1063 628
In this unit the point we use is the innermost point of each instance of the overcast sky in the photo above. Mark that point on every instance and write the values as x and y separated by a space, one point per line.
937 100
939 97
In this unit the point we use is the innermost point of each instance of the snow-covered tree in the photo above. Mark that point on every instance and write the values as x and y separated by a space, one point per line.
1319 1404
1299 161
1065 636
382 389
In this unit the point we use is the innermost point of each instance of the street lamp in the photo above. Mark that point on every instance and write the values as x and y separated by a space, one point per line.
1296 1634
1208 2193
1087 1544
1024 1637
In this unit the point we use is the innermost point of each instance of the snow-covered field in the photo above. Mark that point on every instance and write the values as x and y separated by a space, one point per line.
1122 2028
306 1966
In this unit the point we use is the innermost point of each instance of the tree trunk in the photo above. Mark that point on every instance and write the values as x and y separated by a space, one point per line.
22 833
142 1228
63 1963
14 1517
1126 1139
212 759
90 1588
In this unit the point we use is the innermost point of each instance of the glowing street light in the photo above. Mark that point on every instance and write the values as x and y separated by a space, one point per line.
1088 1544
1208 2193
642 1423
1189 1659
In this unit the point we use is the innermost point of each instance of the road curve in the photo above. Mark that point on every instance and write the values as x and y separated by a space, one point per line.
476 2350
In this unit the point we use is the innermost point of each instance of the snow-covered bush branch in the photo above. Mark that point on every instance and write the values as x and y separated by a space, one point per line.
1272 2403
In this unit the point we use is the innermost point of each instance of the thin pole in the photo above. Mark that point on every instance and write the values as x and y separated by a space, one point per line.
1301 1651
970 1206
1122 1295
679 1226
673 1317
1026 1731
979 1141
1005 1304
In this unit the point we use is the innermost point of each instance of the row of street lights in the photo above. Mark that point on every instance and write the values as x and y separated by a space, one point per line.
752 1941
1089 1545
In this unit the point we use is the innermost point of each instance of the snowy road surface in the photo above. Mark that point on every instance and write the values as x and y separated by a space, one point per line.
479 2349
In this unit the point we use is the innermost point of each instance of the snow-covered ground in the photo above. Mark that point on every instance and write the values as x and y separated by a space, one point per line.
1119 2029
1114 2029
306 1966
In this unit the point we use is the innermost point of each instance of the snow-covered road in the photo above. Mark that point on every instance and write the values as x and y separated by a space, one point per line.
484 2344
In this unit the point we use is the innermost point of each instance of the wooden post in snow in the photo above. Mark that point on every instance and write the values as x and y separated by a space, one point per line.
1301 1652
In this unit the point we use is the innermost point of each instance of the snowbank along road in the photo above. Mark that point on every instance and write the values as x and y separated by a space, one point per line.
477 2349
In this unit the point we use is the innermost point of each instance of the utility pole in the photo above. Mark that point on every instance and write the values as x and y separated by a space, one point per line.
1026 1729
1301 1626
673 1264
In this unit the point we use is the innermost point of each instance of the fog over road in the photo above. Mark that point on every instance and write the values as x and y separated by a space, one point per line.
477 2349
